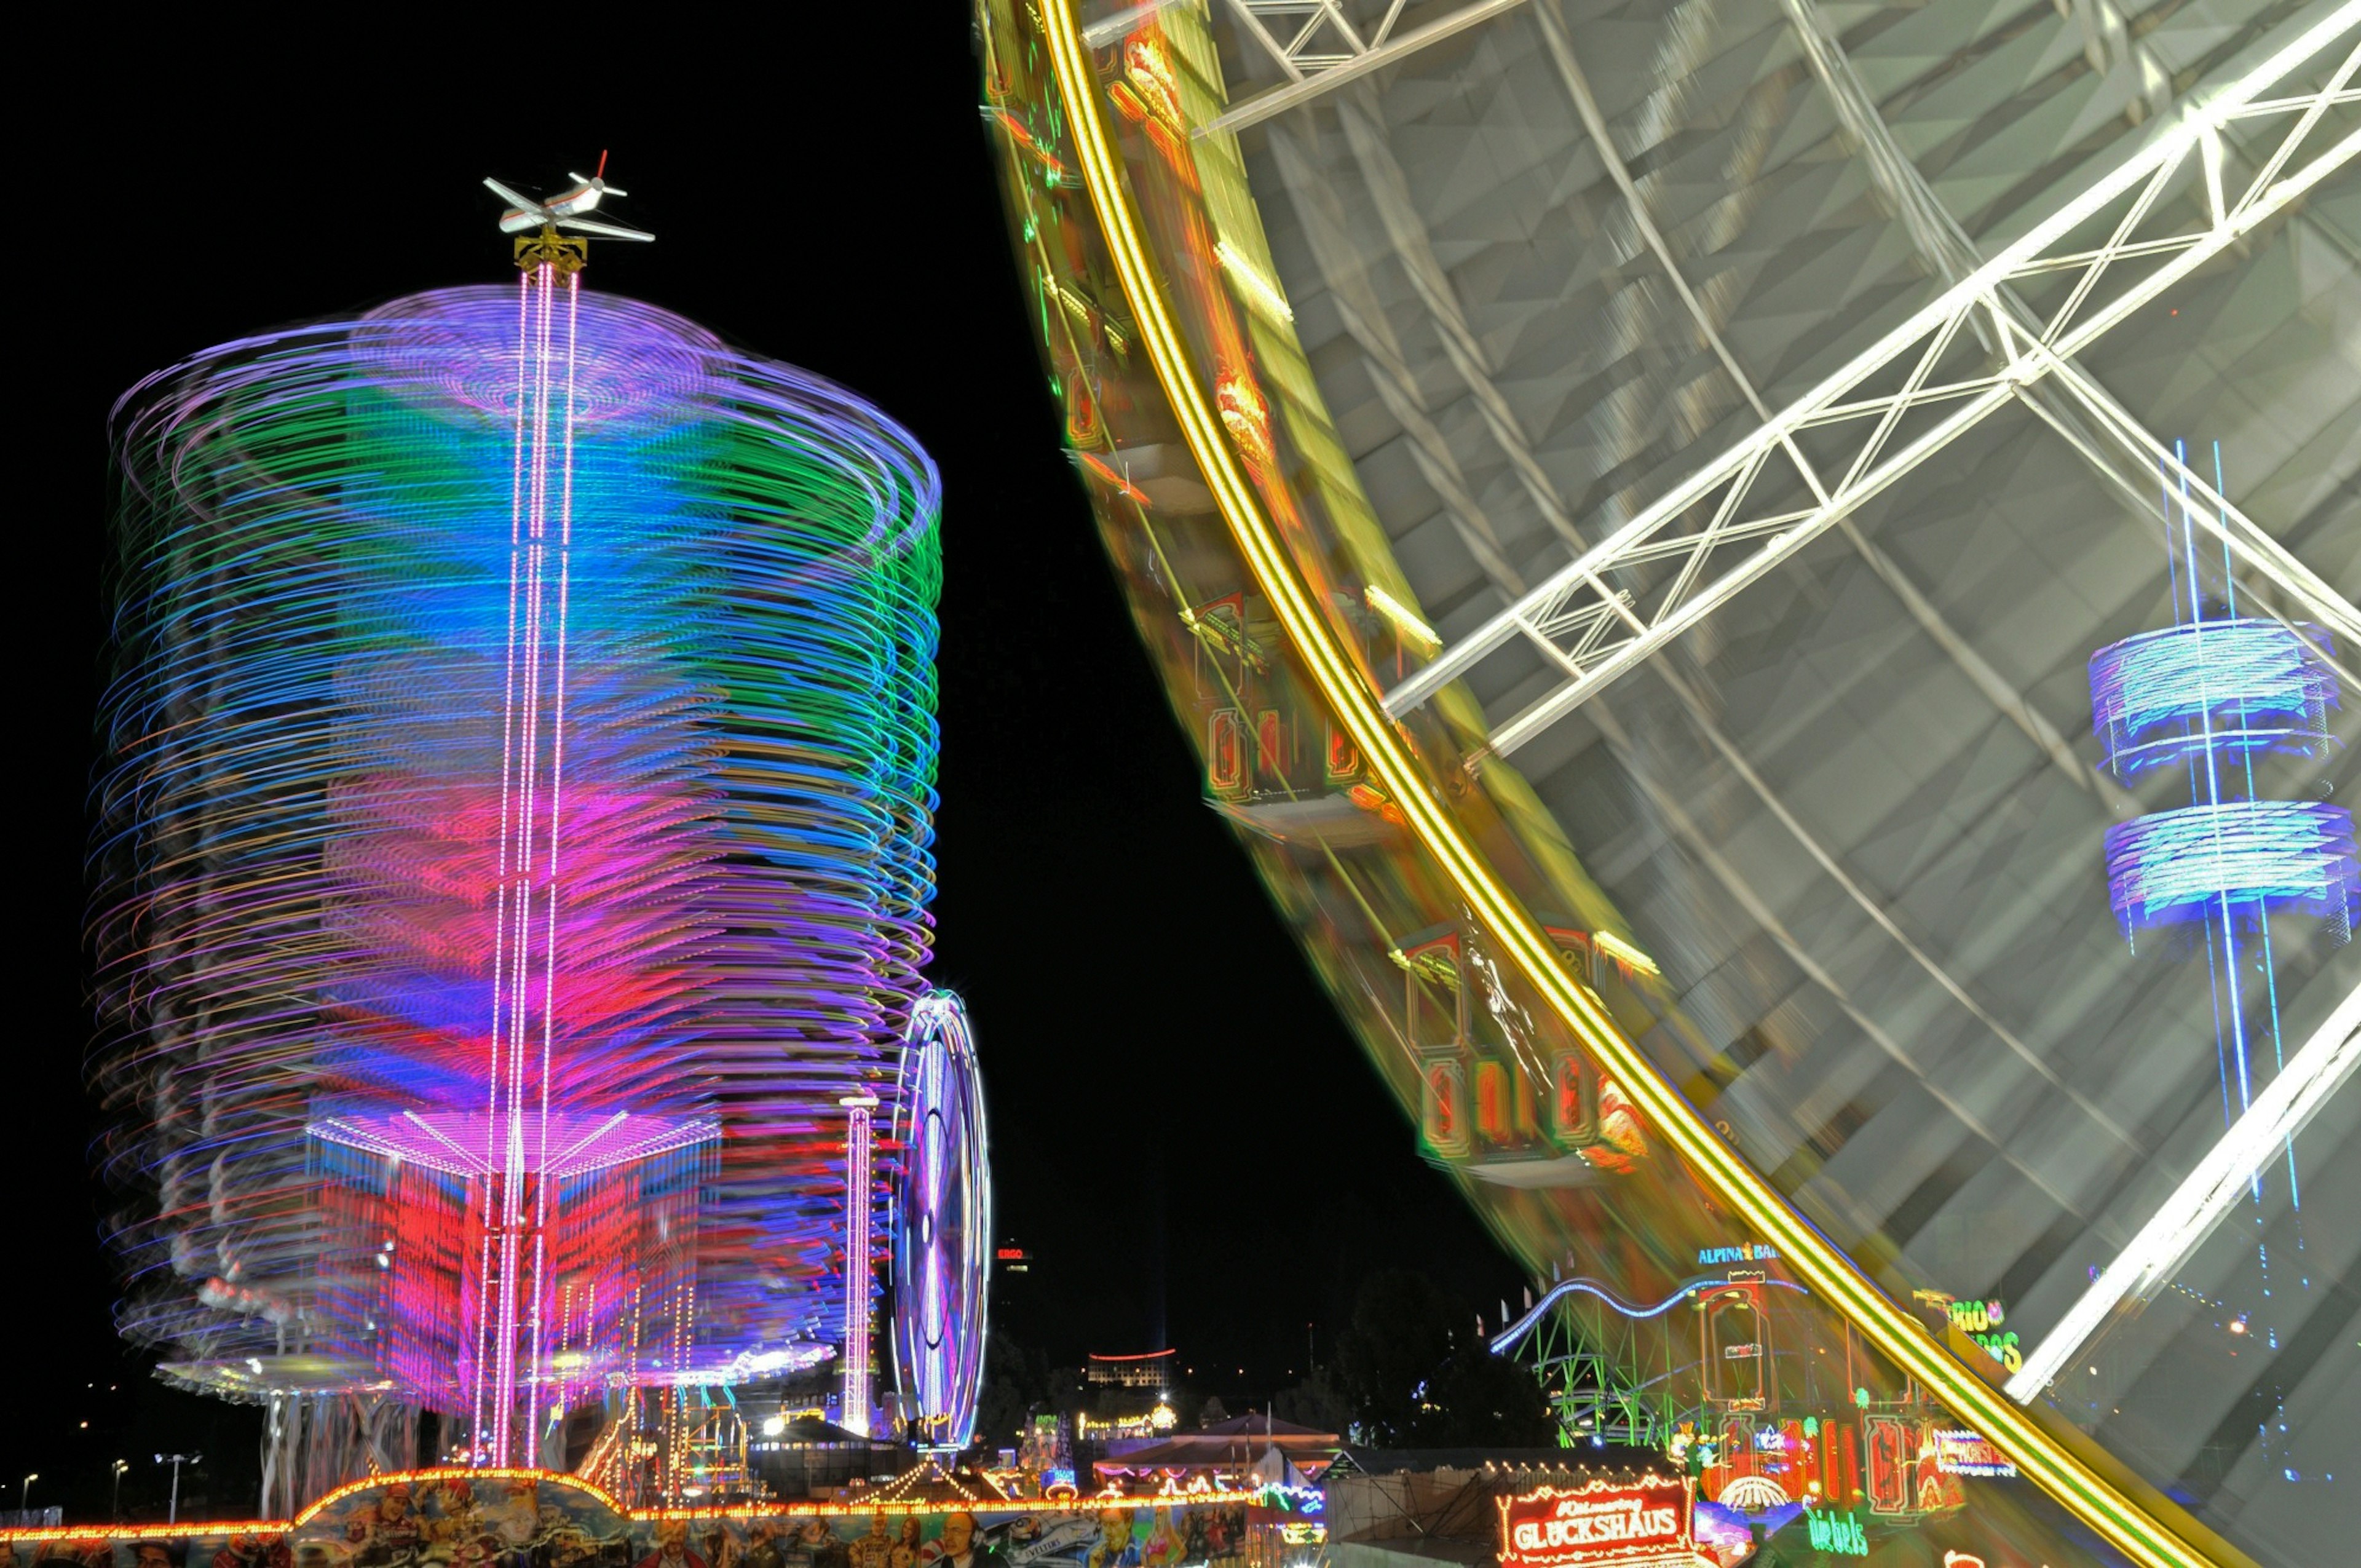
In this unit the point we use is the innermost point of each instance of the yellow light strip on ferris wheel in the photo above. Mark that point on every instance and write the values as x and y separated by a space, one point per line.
2138 1532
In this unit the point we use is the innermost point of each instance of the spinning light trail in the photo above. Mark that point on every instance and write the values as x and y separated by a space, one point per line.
2211 695
513 845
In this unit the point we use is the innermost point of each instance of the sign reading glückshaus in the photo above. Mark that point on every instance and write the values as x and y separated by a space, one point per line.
1600 1524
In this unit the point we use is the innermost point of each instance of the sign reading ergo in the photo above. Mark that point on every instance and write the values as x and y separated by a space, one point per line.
1600 1524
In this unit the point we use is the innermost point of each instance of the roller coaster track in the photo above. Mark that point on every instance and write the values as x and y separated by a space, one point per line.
1508 1338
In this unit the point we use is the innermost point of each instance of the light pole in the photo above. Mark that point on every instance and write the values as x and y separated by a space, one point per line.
172 1513
25 1495
120 1466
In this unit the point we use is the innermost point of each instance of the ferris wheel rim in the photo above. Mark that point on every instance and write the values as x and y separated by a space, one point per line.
942 1222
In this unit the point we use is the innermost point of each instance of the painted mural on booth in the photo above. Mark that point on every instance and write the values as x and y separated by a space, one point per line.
480 1520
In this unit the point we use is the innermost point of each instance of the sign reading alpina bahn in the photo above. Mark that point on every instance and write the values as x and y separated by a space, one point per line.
1638 1523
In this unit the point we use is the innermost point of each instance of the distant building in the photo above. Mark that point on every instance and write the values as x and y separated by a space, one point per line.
794 1458
1148 1369
1240 1452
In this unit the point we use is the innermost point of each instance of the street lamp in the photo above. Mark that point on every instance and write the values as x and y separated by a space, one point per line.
120 1466
25 1494
172 1514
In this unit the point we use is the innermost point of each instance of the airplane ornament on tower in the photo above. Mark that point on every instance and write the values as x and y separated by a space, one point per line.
567 209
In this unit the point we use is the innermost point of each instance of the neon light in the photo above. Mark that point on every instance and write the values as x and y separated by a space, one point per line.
857 1275
1506 1340
1840 1533
2174 866
1646 1519
2255 685
1754 1493
1959 1453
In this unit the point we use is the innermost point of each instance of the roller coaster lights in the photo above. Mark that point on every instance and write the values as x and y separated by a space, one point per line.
1506 1340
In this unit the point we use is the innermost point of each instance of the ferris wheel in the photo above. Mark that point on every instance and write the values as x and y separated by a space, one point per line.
1497 637
942 1225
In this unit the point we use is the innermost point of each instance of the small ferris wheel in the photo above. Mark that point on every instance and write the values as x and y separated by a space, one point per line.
942 1225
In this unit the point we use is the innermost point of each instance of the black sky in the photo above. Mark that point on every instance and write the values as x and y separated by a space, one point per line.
1183 1135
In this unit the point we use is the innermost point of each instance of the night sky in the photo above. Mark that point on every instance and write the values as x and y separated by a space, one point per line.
1185 1137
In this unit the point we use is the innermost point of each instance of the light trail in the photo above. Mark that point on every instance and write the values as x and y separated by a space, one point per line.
492 894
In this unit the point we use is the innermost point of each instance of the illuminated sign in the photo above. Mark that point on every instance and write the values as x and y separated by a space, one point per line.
1962 1452
1837 1533
1602 1523
1303 1534
1980 1321
1744 1252
1976 1317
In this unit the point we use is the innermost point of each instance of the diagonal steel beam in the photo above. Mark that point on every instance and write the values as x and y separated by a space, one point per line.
2049 246
2219 1182
1303 87
1945 247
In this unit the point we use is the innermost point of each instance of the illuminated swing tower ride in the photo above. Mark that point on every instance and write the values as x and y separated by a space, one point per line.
563 896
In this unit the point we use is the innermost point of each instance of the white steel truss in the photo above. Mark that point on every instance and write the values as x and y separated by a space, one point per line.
2222 1180
1909 396
1315 45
